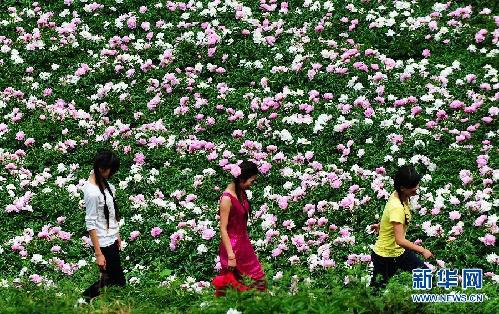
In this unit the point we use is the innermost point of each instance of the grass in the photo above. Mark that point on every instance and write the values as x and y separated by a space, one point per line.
354 298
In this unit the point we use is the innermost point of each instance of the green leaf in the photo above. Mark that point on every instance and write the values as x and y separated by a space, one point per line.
165 273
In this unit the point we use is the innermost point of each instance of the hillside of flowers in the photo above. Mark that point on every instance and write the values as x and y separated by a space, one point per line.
327 97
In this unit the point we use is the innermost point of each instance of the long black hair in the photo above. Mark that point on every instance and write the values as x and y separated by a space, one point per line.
106 159
407 177
248 169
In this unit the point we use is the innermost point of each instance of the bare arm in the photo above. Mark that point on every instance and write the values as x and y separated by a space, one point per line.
100 259
400 239
95 241
225 205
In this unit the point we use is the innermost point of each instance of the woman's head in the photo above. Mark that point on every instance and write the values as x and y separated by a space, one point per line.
106 163
406 181
248 175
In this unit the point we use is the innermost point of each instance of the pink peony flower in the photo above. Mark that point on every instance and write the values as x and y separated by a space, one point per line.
465 176
488 239
283 203
20 136
139 159
64 235
480 35
454 215
55 249
208 234
36 278
235 170
135 234
132 22
155 232
30 141
265 167
276 252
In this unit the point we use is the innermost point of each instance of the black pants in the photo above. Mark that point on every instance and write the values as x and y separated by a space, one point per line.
112 275
388 266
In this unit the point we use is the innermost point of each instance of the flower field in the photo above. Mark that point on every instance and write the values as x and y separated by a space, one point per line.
327 97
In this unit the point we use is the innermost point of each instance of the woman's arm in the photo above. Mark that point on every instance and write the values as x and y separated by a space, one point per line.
225 205
398 230
100 259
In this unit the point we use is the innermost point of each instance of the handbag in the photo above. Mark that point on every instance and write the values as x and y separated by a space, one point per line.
227 279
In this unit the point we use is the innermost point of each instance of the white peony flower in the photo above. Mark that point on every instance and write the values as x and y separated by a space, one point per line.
202 249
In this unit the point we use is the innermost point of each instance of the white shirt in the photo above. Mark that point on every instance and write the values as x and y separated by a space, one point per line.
95 219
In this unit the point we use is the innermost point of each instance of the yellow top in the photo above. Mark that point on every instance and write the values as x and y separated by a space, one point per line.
394 212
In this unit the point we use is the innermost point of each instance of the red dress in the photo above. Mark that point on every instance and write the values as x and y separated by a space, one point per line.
246 260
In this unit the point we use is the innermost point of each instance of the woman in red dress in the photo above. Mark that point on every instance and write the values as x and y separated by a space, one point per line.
235 251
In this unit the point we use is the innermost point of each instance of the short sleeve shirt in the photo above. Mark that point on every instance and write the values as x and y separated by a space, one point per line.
386 245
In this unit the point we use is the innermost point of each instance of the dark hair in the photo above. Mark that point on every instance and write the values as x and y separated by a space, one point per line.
248 169
407 177
106 159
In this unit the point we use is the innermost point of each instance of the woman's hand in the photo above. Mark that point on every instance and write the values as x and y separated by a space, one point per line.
232 261
119 242
375 228
101 261
427 254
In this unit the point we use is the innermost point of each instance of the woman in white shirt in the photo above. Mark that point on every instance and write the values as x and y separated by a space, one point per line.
101 219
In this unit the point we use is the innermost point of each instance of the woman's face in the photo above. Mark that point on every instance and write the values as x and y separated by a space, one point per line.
248 183
410 191
105 172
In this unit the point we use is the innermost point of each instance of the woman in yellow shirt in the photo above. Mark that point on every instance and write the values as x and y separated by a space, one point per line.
392 250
